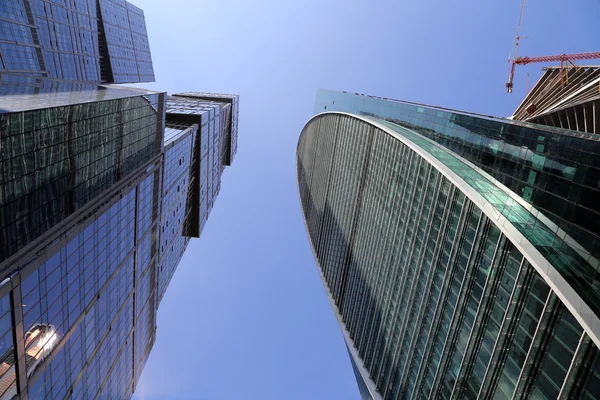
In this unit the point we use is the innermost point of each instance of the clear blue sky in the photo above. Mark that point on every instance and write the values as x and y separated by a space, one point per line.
246 316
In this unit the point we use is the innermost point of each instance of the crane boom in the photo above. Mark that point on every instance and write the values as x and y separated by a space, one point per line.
563 58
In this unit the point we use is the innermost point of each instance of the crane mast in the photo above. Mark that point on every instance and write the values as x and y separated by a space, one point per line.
564 59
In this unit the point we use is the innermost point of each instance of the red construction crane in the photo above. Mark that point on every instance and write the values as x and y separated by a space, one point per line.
563 58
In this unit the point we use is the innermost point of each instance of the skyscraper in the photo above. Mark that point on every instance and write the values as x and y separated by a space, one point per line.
101 41
97 210
100 190
459 251
200 140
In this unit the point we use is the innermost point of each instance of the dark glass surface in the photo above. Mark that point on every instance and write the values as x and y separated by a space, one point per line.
555 170
56 160
560 351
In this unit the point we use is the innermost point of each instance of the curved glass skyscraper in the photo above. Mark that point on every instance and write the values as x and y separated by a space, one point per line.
451 273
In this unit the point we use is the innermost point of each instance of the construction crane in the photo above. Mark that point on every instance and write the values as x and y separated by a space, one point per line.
564 59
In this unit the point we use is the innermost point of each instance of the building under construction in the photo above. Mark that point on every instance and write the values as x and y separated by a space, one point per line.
566 101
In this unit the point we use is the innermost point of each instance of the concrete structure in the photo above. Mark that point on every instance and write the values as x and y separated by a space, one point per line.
447 275
572 103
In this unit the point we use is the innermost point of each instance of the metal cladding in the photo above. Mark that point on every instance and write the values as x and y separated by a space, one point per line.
447 283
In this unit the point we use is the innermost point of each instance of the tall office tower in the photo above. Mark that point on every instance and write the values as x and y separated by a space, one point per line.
200 140
459 251
570 101
99 201
57 43
80 196
96 201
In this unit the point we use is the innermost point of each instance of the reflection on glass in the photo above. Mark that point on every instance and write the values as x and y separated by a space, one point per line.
39 341
8 376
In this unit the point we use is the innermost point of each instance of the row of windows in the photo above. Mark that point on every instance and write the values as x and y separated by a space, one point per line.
47 185
69 37
103 338
61 288
174 207
429 317
542 157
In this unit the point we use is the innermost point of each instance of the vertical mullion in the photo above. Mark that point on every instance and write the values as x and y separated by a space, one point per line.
467 210
581 351
483 309
509 323
443 222
19 338
481 234
539 343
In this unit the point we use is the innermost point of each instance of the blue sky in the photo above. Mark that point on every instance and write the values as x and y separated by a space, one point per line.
246 315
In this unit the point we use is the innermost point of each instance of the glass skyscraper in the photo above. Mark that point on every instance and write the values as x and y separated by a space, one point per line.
200 141
459 251
101 188
102 41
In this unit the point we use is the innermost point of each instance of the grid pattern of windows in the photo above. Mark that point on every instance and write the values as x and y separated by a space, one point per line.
197 135
174 131
80 306
87 296
61 39
555 170
127 41
497 298
207 114
558 354
71 277
435 299
94 345
59 291
55 160
145 331
145 206
174 207
231 115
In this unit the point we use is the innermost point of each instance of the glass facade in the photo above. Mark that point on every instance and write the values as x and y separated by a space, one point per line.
433 265
197 144
56 159
84 40
84 321
99 201
555 170
101 190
